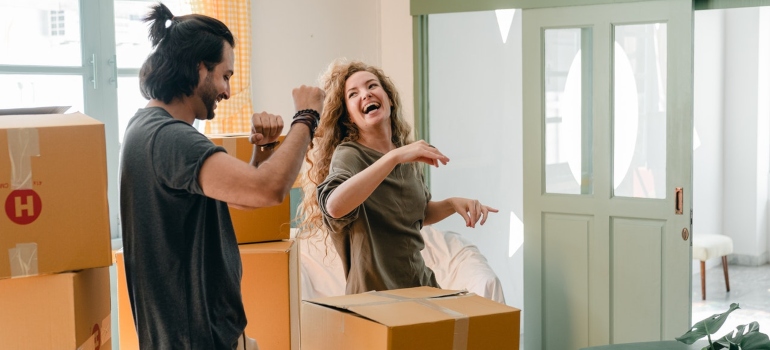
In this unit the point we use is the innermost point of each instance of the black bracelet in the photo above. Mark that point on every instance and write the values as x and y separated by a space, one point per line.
268 146
308 120
311 112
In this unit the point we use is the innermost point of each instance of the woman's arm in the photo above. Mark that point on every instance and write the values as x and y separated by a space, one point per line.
470 209
355 190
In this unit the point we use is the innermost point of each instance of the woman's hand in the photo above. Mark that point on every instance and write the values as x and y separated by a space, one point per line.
471 210
419 151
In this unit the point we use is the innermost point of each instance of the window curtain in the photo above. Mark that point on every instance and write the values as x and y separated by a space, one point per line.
232 115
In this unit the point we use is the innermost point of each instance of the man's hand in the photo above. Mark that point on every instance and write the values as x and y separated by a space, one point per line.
308 97
265 128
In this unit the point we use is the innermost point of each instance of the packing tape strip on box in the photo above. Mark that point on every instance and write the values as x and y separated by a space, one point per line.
100 335
23 260
23 143
462 322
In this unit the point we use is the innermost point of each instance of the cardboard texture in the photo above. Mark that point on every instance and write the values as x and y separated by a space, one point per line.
270 289
422 318
127 337
61 311
258 225
53 194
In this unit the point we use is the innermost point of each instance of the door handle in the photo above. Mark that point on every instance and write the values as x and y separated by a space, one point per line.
678 200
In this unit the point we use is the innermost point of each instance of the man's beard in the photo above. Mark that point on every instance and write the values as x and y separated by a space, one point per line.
209 97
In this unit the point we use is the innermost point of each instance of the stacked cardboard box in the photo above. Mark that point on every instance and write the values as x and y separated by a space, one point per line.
270 289
270 281
259 225
54 232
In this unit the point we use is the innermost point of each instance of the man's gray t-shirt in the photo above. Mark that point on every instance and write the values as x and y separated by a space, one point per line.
183 267
379 242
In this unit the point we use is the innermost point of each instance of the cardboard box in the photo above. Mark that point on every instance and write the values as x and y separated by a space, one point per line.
259 225
270 289
422 318
53 194
62 311
127 337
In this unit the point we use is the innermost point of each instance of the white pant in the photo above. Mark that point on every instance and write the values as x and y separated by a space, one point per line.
246 343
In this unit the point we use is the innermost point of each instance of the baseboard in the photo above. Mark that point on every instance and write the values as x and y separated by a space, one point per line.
748 260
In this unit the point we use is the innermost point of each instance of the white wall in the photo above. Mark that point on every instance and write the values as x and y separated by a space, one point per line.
763 132
475 119
708 105
293 42
396 52
745 138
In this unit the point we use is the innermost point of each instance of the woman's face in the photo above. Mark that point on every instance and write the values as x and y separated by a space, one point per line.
367 102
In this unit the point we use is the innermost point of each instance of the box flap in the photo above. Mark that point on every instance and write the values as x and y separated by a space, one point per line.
395 307
46 120
224 135
34 110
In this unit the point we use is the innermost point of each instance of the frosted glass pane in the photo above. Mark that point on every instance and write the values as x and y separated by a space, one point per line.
567 117
20 90
475 119
131 42
43 33
129 101
639 100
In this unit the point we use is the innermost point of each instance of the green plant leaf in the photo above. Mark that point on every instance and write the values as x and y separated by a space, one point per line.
711 323
747 337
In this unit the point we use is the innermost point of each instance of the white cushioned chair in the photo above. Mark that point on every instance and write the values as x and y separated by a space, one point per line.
456 262
706 246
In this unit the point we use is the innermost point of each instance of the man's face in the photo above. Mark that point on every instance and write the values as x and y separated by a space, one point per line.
214 85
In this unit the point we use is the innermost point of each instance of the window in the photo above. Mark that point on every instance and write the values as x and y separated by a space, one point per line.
57 23
85 54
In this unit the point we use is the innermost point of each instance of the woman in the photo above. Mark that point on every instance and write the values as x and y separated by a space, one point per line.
365 186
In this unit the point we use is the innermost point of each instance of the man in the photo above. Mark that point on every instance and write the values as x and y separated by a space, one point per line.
183 267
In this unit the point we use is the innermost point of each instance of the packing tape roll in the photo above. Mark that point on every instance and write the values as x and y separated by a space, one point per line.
462 322
23 143
23 260
100 335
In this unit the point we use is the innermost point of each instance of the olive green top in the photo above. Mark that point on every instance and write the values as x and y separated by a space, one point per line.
379 242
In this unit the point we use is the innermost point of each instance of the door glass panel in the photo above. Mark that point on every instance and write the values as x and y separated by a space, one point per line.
42 33
19 90
568 137
639 139
132 44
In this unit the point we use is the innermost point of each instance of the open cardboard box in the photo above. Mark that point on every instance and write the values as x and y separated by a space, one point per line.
422 318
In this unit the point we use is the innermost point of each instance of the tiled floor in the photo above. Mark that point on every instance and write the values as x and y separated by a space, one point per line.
749 287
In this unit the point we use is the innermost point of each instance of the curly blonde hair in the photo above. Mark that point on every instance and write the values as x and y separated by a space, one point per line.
336 127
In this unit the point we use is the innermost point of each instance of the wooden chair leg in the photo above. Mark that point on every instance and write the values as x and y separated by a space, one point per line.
724 267
703 279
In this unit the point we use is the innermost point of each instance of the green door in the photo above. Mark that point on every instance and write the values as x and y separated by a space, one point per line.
607 121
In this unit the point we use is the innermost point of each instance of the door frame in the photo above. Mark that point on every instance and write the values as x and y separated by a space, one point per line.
421 9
